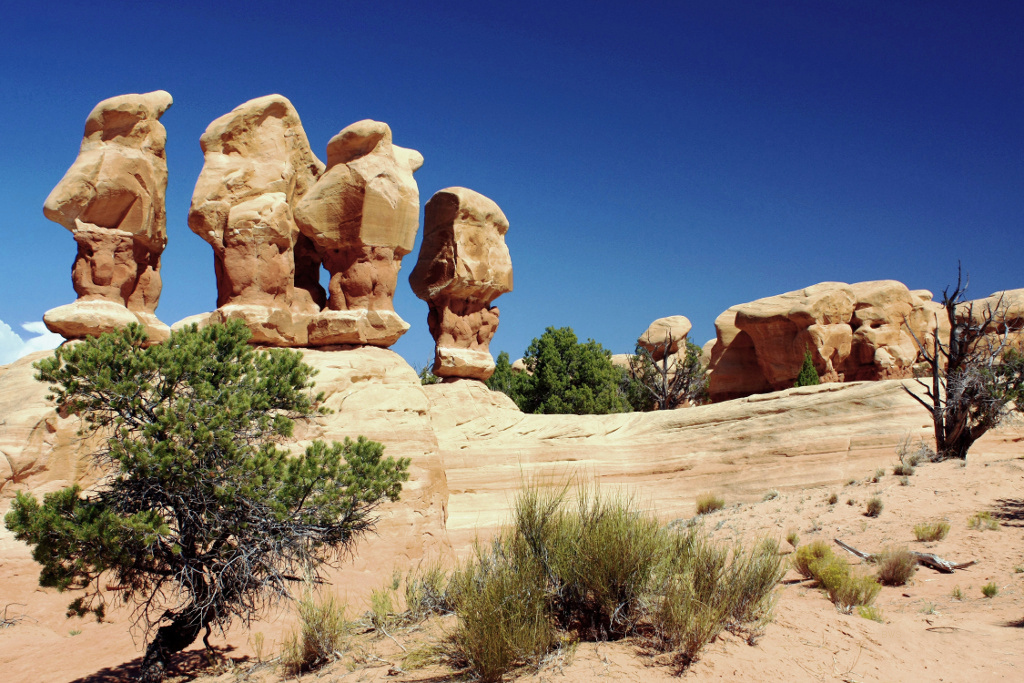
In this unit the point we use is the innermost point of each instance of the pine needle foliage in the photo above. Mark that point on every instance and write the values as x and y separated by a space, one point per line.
808 376
203 518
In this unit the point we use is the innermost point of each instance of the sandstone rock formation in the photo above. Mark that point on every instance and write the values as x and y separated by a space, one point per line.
112 201
463 266
257 163
361 217
853 332
1007 324
665 336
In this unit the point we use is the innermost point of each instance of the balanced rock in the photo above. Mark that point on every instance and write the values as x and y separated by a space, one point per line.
257 164
665 336
112 201
361 217
864 331
463 266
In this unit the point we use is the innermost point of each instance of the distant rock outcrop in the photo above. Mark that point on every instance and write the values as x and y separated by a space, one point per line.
362 216
112 201
863 331
665 336
463 267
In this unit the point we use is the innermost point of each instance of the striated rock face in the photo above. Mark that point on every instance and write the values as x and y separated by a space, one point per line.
257 163
112 201
463 266
361 217
671 330
853 332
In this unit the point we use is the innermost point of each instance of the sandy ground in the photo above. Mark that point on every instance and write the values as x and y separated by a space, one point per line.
926 634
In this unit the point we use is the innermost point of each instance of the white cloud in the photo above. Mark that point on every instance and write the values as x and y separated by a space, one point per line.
13 347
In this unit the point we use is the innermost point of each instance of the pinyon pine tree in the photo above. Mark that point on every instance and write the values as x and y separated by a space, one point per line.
202 518
808 376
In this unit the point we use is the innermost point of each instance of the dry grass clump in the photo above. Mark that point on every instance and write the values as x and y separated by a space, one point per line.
990 590
598 567
321 633
709 502
871 612
874 507
983 520
931 531
895 566
833 499
771 494
903 469
793 538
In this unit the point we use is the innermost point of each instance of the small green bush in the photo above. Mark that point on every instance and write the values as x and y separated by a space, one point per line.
322 631
990 590
895 567
957 594
871 612
793 538
709 502
874 507
806 555
844 589
983 520
931 531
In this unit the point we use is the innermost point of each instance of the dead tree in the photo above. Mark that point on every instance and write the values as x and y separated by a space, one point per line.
976 378
674 379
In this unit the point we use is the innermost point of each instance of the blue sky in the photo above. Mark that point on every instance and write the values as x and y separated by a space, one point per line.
653 158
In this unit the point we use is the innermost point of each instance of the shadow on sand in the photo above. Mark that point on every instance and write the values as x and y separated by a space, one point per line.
187 665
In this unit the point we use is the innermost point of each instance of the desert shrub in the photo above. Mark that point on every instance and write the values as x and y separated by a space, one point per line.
904 481
793 538
500 601
878 476
709 502
321 633
895 566
844 589
931 531
871 612
903 469
957 594
983 520
599 566
874 507
772 494
709 589
806 555
833 499
426 592
382 614
913 454
990 590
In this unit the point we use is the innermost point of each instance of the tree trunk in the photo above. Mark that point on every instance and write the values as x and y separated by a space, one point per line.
174 637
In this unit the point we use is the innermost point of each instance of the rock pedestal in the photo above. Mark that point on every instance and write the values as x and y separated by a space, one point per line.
361 217
112 201
258 163
463 266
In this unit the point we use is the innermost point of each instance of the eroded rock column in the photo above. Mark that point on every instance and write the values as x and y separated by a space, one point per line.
112 201
463 267
258 163
361 217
